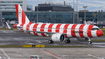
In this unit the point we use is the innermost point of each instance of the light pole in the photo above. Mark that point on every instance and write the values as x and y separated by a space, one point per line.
84 12
37 14
0 17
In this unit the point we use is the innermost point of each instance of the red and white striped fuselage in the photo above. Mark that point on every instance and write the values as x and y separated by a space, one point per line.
55 30
70 30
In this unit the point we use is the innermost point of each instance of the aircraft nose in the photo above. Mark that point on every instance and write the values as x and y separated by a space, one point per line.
99 33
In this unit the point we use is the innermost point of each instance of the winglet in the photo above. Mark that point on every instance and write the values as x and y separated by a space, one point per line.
85 22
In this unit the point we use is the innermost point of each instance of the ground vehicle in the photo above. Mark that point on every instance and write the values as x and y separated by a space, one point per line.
34 57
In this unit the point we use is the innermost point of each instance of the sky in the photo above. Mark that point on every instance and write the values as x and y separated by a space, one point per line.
93 5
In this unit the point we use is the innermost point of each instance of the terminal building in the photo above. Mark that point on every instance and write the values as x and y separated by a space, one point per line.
51 14
53 7
9 5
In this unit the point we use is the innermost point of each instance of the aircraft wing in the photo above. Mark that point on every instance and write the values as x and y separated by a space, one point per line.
45 32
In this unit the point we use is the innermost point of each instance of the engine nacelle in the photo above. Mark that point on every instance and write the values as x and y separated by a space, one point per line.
57 37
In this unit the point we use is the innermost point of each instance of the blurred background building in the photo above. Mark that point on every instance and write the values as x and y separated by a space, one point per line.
9 5
53 7
53 13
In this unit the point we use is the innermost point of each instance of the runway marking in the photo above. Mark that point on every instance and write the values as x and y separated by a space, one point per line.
0 57
5 53
38 41
98 43
50 53
96 56
99 46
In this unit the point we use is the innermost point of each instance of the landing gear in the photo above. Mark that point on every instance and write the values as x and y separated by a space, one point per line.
89 40
50 41
67 40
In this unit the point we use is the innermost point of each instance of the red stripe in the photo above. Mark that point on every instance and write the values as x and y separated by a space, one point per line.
65 36
29 33
34 29
28 26
57 28
73 30
50 27
42 29
65 28
89 31
43 34
15 26
16 5
21 25
81 30
35 33
23 17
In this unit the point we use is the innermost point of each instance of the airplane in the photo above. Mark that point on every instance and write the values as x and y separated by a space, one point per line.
57 32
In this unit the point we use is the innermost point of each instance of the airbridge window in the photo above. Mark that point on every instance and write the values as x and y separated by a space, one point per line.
95 29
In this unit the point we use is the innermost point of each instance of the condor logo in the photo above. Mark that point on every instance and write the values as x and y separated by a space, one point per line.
20 12
77 31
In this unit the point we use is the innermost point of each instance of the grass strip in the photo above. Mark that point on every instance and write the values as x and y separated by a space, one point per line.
99 40
48 46
66 46
11 46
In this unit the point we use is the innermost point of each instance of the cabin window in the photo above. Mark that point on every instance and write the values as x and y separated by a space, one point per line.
95 29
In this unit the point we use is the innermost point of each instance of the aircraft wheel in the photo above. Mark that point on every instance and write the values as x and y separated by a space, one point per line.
90 42
67 41
50 41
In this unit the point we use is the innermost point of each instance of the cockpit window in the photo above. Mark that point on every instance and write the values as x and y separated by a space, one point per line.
95 29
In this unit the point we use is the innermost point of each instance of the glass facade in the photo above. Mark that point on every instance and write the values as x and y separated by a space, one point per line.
45 17
7 8
90 16
10 1
56 17
9 16
9 5
101 16
53 17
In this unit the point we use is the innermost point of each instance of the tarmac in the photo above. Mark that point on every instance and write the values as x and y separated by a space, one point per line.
16 37
53 53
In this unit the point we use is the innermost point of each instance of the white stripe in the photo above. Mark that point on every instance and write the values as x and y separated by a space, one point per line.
5 54
20 14
46 28
31 28
38 29
26 20
85 28
39 34
24 26
94 34
39 26
77 29
69 30
61 28
18 24
54 27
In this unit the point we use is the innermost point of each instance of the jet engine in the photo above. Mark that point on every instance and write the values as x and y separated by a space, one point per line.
57 37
